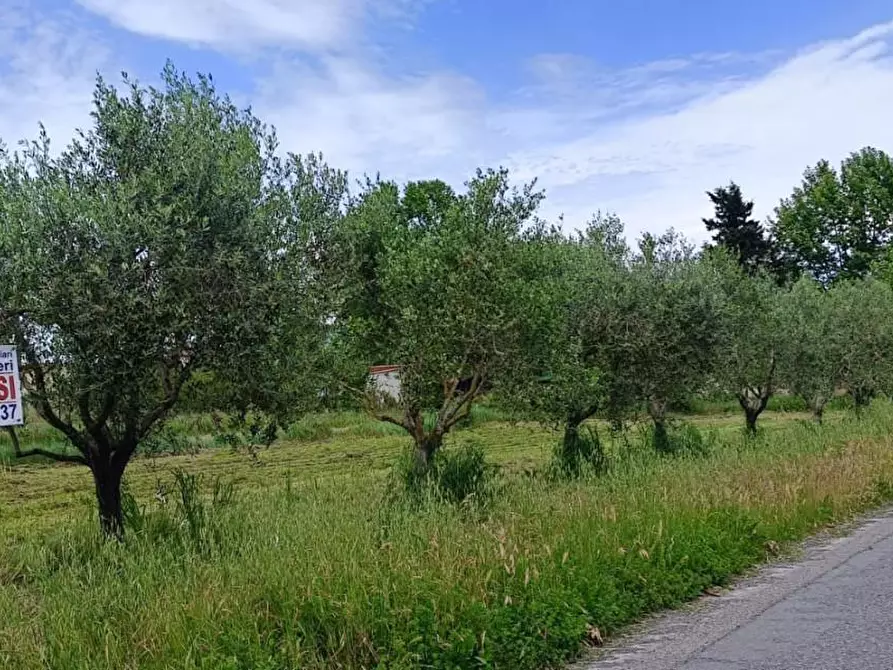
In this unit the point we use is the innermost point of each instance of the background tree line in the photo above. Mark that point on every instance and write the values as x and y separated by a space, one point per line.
172 253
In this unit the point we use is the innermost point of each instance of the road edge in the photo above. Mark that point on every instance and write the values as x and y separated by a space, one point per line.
667 639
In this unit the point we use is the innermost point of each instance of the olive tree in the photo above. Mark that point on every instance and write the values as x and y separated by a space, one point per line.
448 297
154 245
807 361
861 325
557 378
749 349
299 362
661 323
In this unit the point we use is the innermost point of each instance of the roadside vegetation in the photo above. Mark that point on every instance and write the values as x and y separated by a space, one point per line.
307 559
586 428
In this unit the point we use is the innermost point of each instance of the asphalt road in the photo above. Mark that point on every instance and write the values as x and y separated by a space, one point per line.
832 610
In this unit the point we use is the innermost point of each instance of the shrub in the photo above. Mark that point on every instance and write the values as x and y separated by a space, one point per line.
787 403
458 474
250 431
168 441
679 438
462 473
579 452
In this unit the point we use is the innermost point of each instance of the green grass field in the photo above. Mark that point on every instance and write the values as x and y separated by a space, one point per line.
305 557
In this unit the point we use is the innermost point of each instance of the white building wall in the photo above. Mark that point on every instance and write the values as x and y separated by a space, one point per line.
387 384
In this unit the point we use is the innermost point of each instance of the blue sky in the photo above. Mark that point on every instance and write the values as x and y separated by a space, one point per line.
471 34
636 106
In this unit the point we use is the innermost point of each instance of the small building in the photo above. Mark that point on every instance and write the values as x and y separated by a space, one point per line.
385 381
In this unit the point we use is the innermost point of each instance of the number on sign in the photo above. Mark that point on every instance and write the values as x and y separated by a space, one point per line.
7 412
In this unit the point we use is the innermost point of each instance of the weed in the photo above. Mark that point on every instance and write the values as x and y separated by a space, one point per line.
462 472
677 438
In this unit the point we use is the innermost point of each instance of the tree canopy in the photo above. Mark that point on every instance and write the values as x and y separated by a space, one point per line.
753 336
735 229
861 332
807 365
838 223
158 243
558 375
661 322
448 294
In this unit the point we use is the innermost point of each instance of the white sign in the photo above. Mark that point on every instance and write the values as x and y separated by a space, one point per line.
10 388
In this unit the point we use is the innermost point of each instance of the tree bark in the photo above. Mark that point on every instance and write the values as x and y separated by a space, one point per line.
569 441
753 401
426 447
661 438
750 420
657 409
107 480
569 456
818 411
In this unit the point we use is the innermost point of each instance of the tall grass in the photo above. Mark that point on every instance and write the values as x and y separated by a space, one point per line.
335 573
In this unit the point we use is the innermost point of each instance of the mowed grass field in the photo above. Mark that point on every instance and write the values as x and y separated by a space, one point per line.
337 446
307 556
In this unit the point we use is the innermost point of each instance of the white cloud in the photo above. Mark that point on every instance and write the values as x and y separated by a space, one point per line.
761 131
646 142
47 73
241 24
410 127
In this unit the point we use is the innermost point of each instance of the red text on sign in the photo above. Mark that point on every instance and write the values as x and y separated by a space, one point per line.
7 388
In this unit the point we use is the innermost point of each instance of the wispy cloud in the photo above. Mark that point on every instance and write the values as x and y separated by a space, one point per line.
645 141
563 78
236 25
762 131
407 127
48 67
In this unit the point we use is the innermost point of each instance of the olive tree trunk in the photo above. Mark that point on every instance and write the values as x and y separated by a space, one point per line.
817 405
574 449
657 410
569 453
426 447
107 461
107 481
753 401
862 397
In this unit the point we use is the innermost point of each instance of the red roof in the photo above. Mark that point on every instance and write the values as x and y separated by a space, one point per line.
383 369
